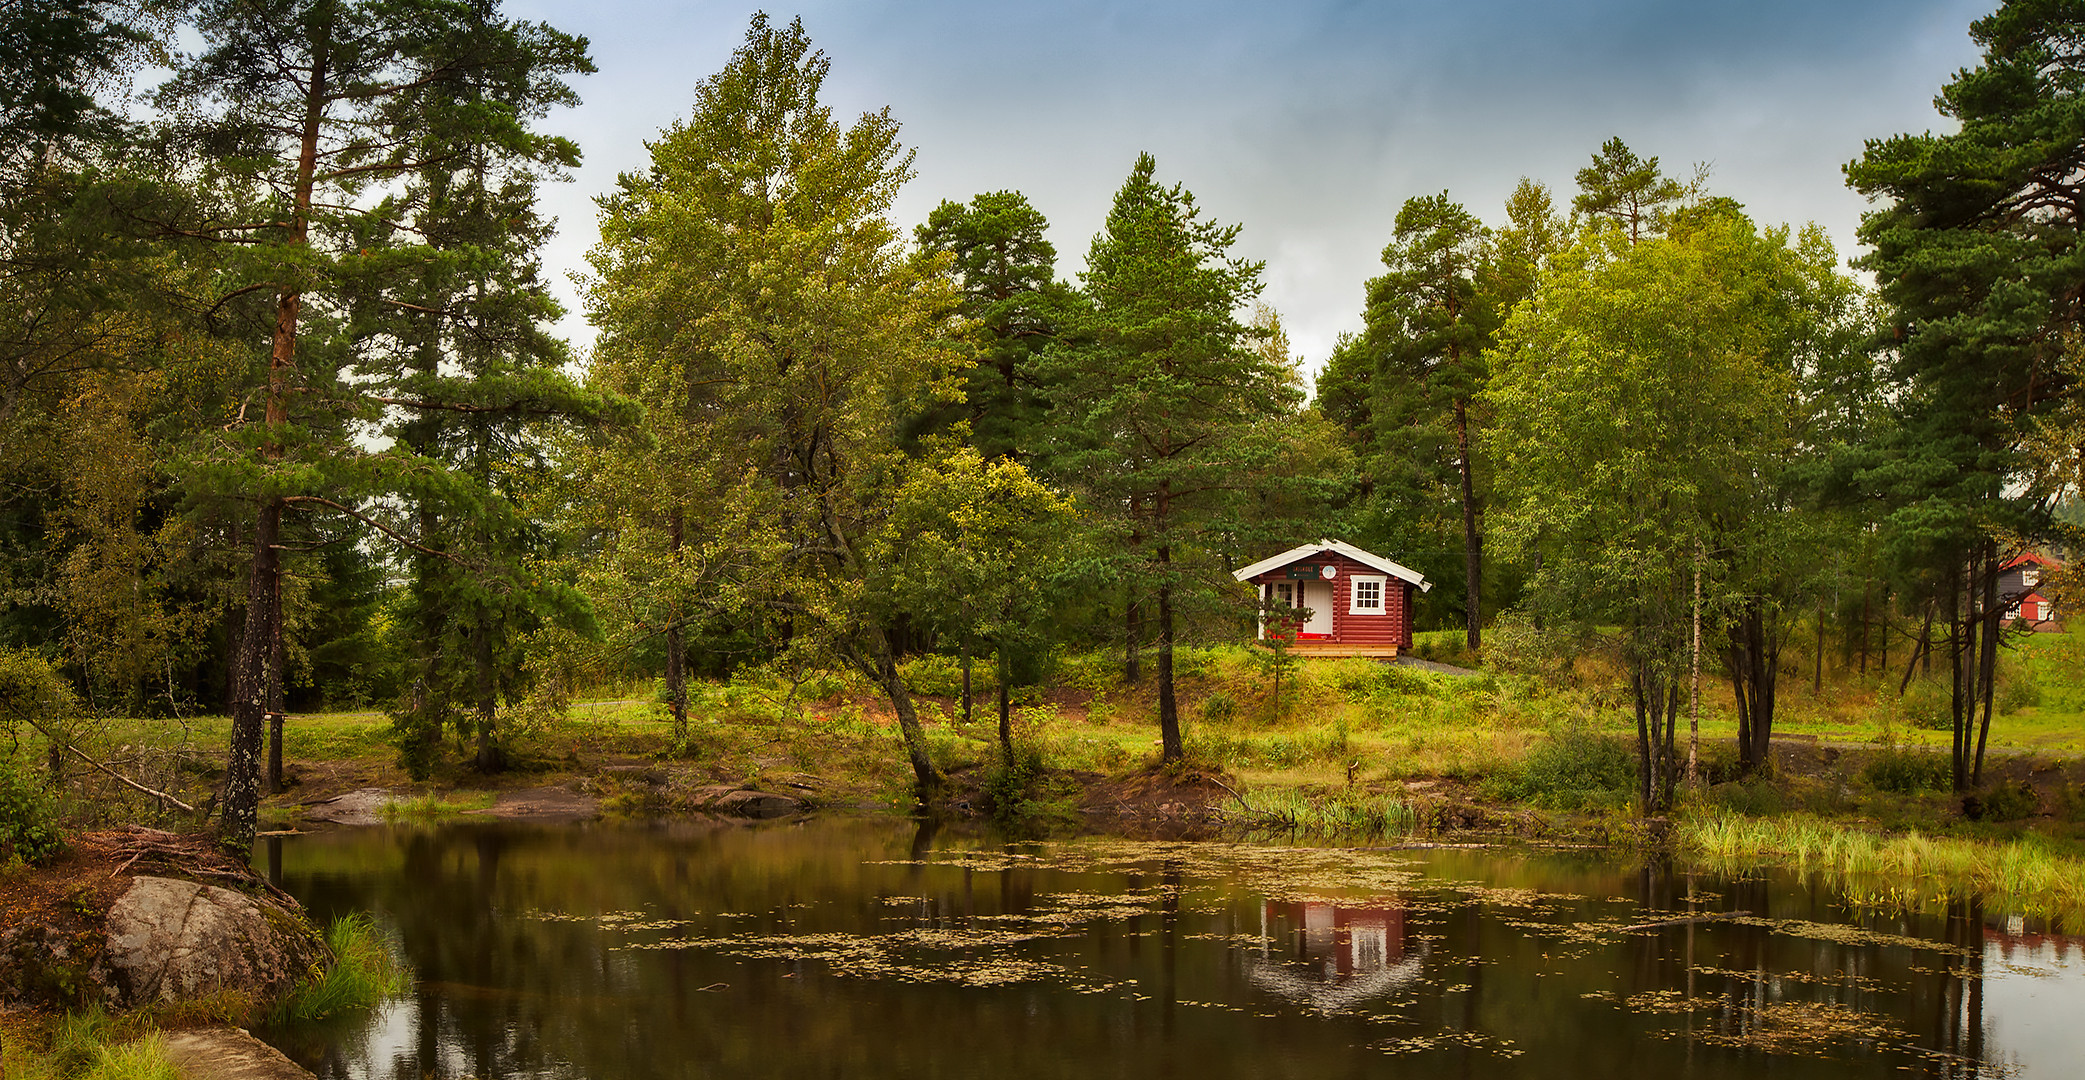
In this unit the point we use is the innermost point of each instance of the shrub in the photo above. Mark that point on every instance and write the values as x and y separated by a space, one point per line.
1752 798
1907 772
2002 802
1218 707
934 675
1928 705
28 817
1571 769
2017 689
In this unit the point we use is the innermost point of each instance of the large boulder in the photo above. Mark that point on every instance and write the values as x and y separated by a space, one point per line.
171 940
162 940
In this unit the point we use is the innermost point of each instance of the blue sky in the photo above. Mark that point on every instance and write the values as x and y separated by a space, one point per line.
1309 123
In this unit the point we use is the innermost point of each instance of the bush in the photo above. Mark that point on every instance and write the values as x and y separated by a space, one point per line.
1928 704
28 817
1572 769
1751 798
1907 772
2002 802
1218 707
934 675
2017 689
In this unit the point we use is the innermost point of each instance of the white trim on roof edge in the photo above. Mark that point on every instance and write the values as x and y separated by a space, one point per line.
1365 558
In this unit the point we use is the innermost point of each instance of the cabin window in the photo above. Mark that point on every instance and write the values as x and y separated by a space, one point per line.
1367 596
2030 576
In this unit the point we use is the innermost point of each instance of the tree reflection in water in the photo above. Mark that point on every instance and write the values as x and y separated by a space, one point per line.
880 949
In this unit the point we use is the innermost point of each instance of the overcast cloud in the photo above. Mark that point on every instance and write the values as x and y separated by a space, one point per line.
1309 123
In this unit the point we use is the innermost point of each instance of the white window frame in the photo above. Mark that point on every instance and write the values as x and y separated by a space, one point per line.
1382 585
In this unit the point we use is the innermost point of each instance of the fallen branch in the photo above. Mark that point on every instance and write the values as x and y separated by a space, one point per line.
127 781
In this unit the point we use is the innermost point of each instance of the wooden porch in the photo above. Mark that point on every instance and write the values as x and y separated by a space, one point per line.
1331 648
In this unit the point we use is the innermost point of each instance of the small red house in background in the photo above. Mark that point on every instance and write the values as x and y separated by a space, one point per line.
2019 584
1357 603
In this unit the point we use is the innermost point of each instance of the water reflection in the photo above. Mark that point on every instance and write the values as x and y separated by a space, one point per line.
1335 957
872 949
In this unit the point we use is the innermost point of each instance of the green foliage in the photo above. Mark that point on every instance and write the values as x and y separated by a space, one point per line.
2018 688
1020 790
1752 798
1927 704
28 816
1908 772
365 971
1219 707
1573 768
936 675
2003 802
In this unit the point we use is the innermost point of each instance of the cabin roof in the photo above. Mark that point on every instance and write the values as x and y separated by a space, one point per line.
1365 558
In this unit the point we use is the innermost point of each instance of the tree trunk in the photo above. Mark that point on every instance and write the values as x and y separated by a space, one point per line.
1644 763
277 701
1961 637
1173 748
1694 693
1132 628
491 758
1992 614
676 667
242 781
1817 678
257 651
1472 544
884 669
1006 722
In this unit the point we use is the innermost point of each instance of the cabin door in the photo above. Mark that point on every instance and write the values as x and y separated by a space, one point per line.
1317 596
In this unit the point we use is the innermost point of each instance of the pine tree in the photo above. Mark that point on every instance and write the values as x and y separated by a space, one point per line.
308 122
1163 410
1976 247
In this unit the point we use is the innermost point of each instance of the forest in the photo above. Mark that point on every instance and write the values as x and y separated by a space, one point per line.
284 427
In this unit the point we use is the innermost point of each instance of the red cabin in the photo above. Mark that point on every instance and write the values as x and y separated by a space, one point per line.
1355 603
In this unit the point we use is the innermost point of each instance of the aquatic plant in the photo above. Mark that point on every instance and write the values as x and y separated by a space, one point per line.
1912 870
365 971
1341 814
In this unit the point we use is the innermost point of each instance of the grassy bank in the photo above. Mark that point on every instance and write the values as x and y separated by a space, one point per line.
1351 749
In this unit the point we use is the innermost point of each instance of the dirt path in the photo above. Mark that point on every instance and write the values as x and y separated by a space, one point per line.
229 1053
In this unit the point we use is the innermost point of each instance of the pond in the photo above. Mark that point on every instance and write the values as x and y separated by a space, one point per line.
878 948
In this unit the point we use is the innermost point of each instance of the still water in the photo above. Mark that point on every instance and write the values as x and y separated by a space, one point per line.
871 948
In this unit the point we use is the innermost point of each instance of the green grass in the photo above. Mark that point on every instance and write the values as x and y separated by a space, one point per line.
90 1045
1912 870
365 971
434 807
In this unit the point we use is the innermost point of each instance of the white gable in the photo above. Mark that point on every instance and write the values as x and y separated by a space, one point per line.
1350 551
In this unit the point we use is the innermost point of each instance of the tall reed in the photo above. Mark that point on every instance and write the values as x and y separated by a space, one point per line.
2020 876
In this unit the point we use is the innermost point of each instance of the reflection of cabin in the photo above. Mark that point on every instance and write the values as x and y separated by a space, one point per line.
1356 603
1335 956
2019 585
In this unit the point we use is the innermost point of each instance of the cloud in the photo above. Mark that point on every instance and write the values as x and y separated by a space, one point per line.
1309 123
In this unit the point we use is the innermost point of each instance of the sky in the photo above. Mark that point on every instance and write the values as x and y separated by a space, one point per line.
1307 122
